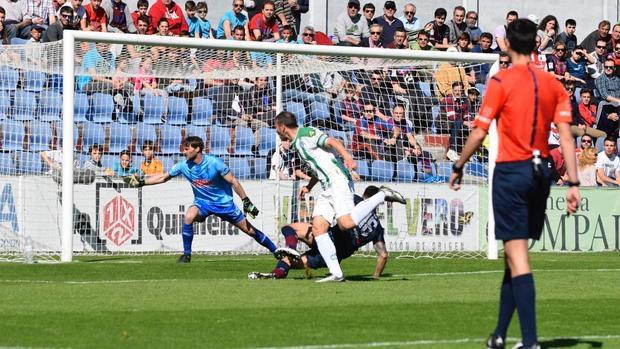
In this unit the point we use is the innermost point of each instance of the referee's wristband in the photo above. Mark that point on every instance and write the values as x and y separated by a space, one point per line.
574 184
457 169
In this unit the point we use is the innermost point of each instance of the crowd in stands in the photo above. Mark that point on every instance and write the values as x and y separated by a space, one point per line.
394 115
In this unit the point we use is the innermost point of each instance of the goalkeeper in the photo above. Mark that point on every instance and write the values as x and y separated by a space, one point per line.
212 184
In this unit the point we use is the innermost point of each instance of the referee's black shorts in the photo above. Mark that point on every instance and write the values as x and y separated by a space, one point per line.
519 200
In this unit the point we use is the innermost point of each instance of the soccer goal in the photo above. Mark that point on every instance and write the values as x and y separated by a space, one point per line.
114 104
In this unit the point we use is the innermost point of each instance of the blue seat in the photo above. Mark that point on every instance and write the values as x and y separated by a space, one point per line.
81 158
170 139
362 169
101 107
319 111
92 133
244 140
382 170
240 168
340 135
202 110
8 79
120 137
168 161
7 164
425 87
476 169
29 163
145 132
444 168
34 81
267 140
50 106
5 104
219 140
107 160
199 131
60 134
18 41
177 111
298 110
80 107
405 171
24 105
13 135
153 109
260 168
40 135
55 83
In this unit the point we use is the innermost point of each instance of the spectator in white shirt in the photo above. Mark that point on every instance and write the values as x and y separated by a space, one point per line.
608 164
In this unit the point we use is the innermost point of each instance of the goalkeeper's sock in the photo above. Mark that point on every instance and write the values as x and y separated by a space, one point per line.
506 305
525 298
281 270
188 237
328 252
264 240
290 237
364 208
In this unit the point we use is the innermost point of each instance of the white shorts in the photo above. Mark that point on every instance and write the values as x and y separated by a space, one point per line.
335 202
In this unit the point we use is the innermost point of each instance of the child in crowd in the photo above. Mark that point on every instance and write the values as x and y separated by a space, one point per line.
192 20
123 167
122 86
205 29
150 165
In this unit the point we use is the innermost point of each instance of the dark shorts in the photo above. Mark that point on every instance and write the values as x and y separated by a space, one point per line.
344 249
519 200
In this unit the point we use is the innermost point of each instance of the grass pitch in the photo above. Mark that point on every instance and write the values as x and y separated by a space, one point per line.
152 302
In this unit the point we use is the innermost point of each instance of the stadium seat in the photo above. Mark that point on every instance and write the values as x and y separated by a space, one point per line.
202 109
600 144
153 109
267 141
145 132
40 135
444 168
177 111
60 132
29 162
382 170
244 140
319 111
12 135
101 107
92 133
405 171
191 130
131 117
34 81
168 161
362 169
24 106
240 168
343 136
425 87
80 107
170 139
7 164
81 158
476 169
108 160
120 137
260 168
5 104
298 110
55 83
8 79
50 106
219 140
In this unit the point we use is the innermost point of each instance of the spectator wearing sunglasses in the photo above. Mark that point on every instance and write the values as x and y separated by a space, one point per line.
54 31
351 27
168 9
615 56
232 19
411 22
368 11
556 62
388 22
376 32
600 56
422 42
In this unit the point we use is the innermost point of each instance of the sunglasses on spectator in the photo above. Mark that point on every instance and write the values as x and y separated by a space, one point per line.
370 11
422 39
391 8
64 15
238 5
610 66
202 11
409 13
601 46
586 141
474 18
374 78
309 34
354 6
369 110
617 49
375 33
561 49
504 62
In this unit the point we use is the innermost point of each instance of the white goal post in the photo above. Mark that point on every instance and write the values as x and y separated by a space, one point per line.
69 73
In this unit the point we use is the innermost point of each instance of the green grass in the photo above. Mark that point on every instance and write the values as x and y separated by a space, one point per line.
152 302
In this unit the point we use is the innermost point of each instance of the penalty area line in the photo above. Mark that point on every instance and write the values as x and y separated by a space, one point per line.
456 273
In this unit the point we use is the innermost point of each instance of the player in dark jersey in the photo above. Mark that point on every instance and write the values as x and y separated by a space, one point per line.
346 242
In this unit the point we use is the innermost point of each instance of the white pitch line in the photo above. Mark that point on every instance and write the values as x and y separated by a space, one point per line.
85 282
501 271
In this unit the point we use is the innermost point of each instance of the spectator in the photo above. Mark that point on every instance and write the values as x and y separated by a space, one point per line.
556 62
259 102
608 86
39 12
263 26
369 12
366 141
16 21
388 22
119 17
473 95
474 31
557 165
599 54
205 30
483 46
447 74
576 65
298 7
584 116
615 56
97 68
422 42
400 40
615 35
230 20
96 17
53 159
463 42
54 32
438 30
350 108
122 87
376 31
457 24
193 24
351 28
150 165
79 14
378 93
568 36
500 32
4 40
169 10
602 33
94 164
586 142
53 10
288 35
36 33
139 52
459 119
504 61
289 12
145 83
282 166
586 169
123 167
608 164
398 135
548 31
405 85
411 22
143 7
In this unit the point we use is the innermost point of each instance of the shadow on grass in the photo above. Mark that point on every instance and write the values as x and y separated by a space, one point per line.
569 343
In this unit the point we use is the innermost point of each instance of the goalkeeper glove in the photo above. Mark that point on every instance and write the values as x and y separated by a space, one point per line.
134 181
249 208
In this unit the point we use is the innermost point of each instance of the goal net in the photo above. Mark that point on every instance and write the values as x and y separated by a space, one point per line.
127 101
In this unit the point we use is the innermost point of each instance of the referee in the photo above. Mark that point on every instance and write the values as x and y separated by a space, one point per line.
524 101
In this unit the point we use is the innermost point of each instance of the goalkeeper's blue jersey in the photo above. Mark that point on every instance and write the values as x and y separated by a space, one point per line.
207 180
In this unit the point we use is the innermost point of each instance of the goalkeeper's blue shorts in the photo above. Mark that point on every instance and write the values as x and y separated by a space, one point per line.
519 199
228 212
344 249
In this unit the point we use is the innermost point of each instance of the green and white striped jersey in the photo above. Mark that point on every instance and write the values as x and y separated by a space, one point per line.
310 144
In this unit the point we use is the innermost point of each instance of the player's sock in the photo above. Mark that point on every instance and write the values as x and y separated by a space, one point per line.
188 237
364 208
506 305
281 270
264 240
525 298
290 237
328 252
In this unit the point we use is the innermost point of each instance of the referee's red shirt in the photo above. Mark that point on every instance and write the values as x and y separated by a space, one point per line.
525 101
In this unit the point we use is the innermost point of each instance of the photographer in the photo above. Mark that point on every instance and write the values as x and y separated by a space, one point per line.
576 66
